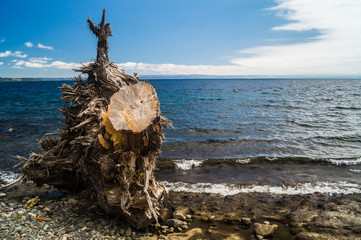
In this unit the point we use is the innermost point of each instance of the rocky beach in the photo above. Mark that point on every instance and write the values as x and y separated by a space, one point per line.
30 212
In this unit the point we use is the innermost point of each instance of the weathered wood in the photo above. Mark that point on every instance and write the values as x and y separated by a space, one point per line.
111 140
133 107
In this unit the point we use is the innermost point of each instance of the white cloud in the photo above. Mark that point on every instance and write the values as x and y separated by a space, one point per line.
43 63
39 59
13 54
2 40
29 44
1 63
335 51
45 47
19 63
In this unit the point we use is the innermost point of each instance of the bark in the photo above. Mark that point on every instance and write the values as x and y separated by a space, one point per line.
111 140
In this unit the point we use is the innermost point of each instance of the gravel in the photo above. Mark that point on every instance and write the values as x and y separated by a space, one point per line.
62 218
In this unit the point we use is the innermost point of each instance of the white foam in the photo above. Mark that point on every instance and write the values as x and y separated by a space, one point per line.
340 162
355 170
185 164
243 161
271 158
8 176
298 189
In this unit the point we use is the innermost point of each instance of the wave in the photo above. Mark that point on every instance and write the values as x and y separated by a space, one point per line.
8 176
185 164
347 162
189 164
340 187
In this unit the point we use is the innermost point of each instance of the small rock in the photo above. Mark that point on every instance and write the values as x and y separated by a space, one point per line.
184 226
45 227
265 229
259 237
165 214
179 215
90 224
128 232
72 201
246 221
162 237
48 210
171 230
2 194
179 229
188 216
174 223
5 215
164 227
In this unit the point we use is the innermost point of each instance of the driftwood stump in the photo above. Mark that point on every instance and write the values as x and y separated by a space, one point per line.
111 140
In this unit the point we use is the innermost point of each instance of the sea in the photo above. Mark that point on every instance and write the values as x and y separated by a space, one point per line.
280 136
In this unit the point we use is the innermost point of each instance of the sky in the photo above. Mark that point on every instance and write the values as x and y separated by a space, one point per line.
272 38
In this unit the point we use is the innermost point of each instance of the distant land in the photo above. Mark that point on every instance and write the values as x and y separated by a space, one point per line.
2 79
195 76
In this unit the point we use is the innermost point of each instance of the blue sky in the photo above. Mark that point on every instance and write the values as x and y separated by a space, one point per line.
223 37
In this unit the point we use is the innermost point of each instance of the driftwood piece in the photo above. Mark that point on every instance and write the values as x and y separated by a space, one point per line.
111 140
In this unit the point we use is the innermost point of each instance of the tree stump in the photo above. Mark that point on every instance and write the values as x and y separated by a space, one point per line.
111 140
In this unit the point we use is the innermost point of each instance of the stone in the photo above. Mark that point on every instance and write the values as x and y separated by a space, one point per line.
184 226
72 201
48 210
188 216
2 194
32 216
265 229
246 221
165 214
179 215
164 227
128 232
174 223
90 224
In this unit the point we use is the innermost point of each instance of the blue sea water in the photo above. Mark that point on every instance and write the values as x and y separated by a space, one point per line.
242 133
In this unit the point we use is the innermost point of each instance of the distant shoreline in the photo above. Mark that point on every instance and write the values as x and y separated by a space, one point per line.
186 77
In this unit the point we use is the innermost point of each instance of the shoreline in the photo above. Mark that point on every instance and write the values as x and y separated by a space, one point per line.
70 216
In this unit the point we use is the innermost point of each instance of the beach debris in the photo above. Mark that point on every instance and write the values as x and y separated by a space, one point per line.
112 137
41 219
31 202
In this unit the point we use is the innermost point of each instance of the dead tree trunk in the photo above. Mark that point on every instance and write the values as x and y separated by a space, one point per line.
112 138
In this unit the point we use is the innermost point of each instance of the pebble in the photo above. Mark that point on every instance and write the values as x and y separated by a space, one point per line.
60 218
128 232
246 221
2 194
72 201
174 223
179 215
265 229
48 210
